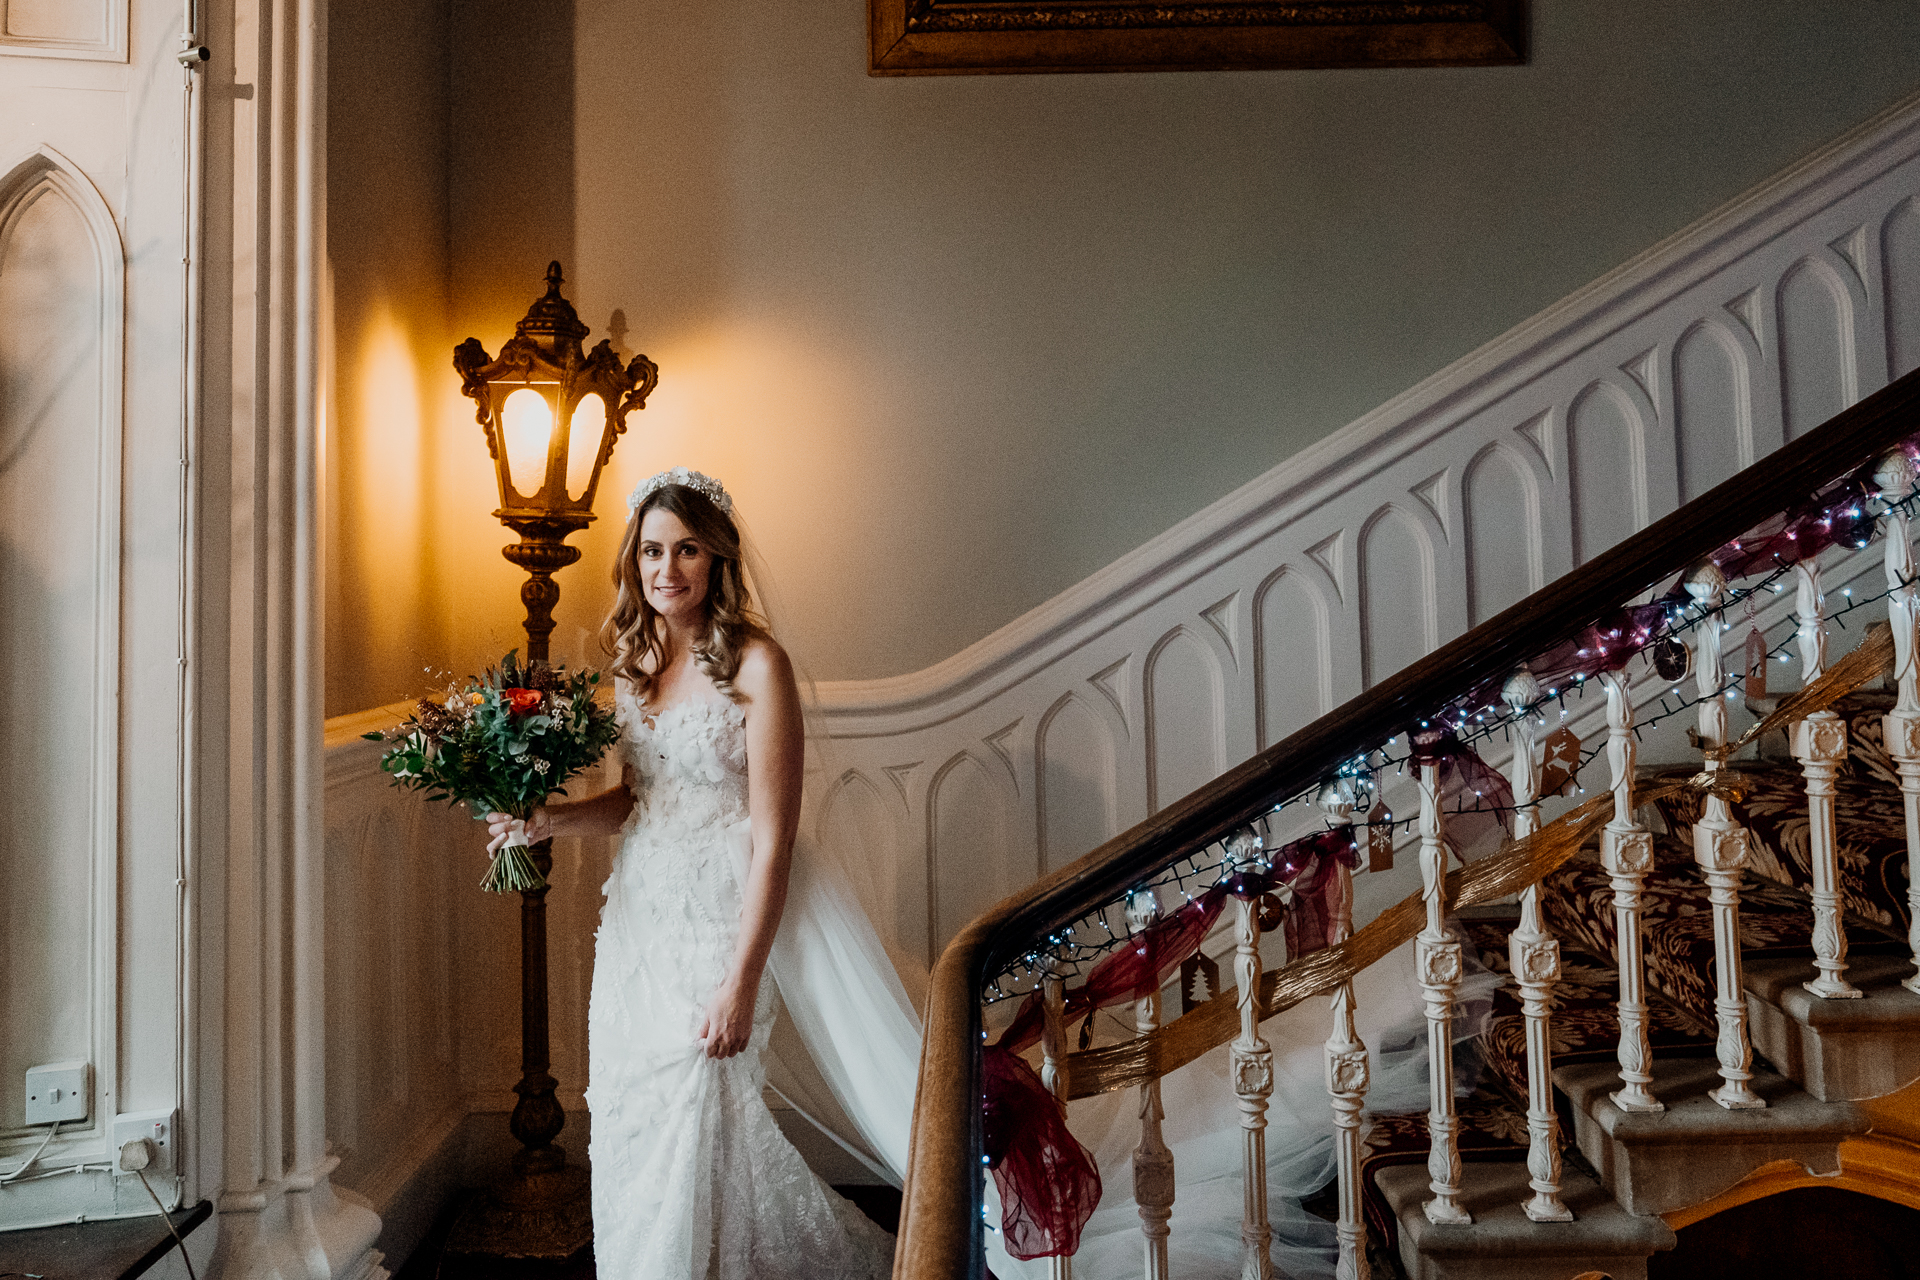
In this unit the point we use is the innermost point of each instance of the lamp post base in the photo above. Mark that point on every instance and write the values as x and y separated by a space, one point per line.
536 1220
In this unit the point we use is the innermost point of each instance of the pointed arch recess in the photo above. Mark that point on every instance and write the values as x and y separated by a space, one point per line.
1501 571
1387 581
80 229
1076 792
1606 444
1271 642
1184 752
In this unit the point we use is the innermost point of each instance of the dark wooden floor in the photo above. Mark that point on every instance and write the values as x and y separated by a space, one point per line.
429 1262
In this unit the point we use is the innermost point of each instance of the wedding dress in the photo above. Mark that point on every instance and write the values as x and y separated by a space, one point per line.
692 1179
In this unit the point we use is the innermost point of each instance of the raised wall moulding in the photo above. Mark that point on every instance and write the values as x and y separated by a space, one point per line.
94 30
923 37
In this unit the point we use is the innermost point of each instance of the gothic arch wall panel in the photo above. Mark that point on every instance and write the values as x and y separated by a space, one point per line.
969 846
1604 448
1077 769
1816 346
1295 678
1502 505
59 454
861 829
1186 717
1710 407
1900 262
1396 594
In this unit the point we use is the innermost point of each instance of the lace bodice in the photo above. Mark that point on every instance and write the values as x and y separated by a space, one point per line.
687 764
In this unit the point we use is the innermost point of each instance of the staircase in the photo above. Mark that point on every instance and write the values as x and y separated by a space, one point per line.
1706 969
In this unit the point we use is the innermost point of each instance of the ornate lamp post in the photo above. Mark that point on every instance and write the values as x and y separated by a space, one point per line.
551 415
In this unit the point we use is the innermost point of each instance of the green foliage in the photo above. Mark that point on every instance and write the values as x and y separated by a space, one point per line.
504 742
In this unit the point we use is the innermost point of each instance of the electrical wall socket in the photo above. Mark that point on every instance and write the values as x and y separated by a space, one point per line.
58 1091
156 1127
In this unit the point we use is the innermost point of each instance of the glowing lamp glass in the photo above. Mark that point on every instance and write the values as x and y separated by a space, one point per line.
583 442
527 425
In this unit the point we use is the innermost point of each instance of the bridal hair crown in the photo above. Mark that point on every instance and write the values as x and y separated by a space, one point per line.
704 485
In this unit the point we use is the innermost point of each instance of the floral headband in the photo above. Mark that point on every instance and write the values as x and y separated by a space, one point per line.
704 485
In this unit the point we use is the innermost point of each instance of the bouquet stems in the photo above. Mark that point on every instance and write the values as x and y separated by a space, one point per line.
512 869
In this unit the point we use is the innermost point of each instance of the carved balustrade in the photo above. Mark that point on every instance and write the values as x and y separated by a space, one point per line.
1212 866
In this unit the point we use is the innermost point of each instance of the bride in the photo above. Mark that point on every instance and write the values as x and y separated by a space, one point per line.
692 1179
709 896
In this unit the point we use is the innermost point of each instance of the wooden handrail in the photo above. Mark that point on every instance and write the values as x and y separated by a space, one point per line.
940 1235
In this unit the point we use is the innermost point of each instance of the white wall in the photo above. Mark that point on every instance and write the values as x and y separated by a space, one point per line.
1441 508
959 341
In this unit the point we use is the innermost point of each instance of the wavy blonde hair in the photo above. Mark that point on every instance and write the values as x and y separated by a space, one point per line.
635 634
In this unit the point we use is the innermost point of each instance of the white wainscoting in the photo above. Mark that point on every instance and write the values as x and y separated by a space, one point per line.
1367 551
393 1079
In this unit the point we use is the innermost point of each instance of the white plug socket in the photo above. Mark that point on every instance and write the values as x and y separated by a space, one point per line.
58 1091
155 1127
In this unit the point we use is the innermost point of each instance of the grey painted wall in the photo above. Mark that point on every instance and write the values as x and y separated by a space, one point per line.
958 342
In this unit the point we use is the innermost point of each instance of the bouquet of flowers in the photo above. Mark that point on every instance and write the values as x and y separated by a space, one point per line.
502 743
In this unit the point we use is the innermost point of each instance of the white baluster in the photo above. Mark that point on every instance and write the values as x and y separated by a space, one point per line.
1820 744
1346 1055
1720 849
1535 959
1152 1161
1438 952
1053 1063
1901 726
1252 1066
1626 851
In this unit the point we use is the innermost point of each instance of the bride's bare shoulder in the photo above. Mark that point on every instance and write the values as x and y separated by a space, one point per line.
764 666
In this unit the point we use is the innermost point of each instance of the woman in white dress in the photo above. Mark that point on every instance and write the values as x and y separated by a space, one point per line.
692 1179
709 896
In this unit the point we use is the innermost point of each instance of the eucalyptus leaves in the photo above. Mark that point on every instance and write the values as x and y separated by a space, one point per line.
504 742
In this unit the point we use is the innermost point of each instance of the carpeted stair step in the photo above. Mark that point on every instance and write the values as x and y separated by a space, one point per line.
1837 1049
1660 1161
1503 1244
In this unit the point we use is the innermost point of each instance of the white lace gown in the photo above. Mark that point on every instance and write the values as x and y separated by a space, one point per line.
692 1179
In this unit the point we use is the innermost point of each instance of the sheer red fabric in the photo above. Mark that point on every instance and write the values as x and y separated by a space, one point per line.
1049 1185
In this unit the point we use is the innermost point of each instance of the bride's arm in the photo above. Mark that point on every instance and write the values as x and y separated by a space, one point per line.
599 815
776 746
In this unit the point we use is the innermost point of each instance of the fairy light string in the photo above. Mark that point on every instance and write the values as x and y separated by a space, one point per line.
1760 558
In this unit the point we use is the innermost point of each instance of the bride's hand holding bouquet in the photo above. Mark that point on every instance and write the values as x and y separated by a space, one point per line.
501 745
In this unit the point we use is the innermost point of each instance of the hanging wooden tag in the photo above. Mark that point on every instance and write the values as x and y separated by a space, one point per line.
1559 762
1379 838
1756 664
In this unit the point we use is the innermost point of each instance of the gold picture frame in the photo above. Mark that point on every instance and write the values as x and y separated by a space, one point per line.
976 37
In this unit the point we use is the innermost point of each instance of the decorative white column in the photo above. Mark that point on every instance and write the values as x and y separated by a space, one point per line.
1438 953
1053 1063
1901 726
1820 745
1626 851
1720 849
1534 956
1346 1054
1252 1063
258 519
1153 1186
